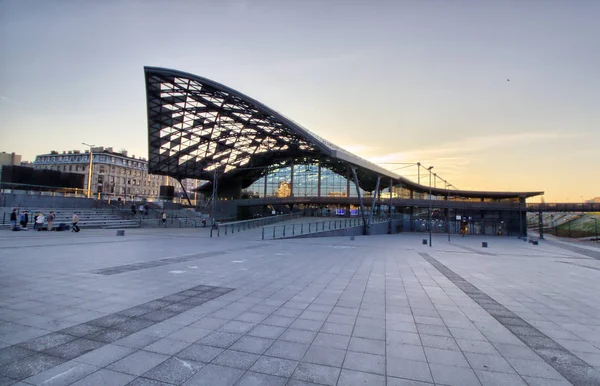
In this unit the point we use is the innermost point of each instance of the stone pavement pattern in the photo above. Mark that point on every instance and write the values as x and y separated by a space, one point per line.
172 307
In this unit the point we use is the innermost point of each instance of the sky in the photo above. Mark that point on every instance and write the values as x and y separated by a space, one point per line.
496 95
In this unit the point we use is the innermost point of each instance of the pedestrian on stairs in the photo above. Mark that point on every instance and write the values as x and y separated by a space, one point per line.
51 218
75 221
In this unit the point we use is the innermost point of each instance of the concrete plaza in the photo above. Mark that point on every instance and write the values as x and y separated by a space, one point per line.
172 307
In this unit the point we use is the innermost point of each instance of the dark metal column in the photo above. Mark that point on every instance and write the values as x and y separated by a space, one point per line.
541 224
319 180
184 192
292 179
360 200
373 201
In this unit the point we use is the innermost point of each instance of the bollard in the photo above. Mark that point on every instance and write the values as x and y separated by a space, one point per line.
425 242
352 237
294 230
283 232
484 244
120 232
302 228
263 233
535 242
273 233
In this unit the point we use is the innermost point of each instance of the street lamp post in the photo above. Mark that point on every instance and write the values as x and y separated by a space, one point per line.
419 173
430 204
448 208
89 184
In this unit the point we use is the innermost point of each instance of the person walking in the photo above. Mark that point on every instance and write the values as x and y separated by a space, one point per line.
39 221
141 208
133 209
13 219
164 218
22 220
35 220
75 221
51 218
146 209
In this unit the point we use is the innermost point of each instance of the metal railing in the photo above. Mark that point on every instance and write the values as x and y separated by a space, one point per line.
240 226
291 230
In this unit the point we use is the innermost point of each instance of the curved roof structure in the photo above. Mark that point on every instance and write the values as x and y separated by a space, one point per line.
198 128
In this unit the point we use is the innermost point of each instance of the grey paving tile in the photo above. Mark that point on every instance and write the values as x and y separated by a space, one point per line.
189 334
368 346
108 321
258 379
475 346
338 329
266 331
298 336
174 370
534 381
369 333
137 340
279 321
252 344
310 372
104 377
133 325
254 317
220 339
105 355
489 363
332 341
81 330
453 375
236 359
167 346
29 366
408 369
358 378
446 357
138 362
274 366
391 381
108 335
538 368
365 362
214 375
489 378
74 348
237 327
287 350
325 356
13 353
200 353
305 324
63 374
45 342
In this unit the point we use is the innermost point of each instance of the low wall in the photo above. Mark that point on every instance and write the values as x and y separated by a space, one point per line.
14 200
382 228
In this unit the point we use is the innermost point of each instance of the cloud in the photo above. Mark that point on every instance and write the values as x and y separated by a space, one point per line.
4 98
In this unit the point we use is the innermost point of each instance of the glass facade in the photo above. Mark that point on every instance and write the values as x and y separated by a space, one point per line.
303 183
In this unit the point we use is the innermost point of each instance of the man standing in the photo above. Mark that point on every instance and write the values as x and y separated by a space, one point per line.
75 221
51 218
13 219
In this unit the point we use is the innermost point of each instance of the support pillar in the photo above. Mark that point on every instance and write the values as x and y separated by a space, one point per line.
360 200
184 192
319 180
376 192
292 179
541 224
266 176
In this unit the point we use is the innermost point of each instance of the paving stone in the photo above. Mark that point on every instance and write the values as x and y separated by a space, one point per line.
275 366
236 359
406 351
138 363
279 321
253 317
391 381
200 353
489 363
413 370
81 330
220 339
105 377
108 321
105 355
332 341
310 372
74 348
13 353
137 340
174 370
189 334
252 344
29 366
445 357
489 378
157 315
266 331
325 356
287 350
214 375
133 325
258 379
63 374
108 335
368 346
453 375
359 378
305 324
167 346
298 336
365 362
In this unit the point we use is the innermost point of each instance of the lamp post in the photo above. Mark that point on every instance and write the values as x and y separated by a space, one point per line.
419 173
430 204
89 184
448 208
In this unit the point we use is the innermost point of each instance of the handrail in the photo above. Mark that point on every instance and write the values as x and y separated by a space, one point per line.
230 228
283 231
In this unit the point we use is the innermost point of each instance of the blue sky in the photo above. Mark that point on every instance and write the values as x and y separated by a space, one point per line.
393 81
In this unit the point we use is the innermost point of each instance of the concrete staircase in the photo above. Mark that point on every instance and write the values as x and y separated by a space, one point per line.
88 218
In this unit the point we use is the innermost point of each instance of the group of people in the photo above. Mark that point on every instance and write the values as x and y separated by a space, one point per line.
144 209
38 221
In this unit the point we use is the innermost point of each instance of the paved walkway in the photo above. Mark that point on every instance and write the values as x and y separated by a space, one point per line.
171 307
